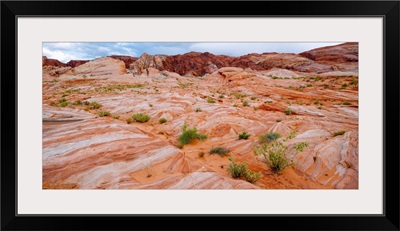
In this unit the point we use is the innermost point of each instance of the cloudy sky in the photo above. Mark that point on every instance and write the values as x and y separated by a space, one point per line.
91 50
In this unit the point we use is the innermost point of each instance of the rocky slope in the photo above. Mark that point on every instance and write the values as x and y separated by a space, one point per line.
83 150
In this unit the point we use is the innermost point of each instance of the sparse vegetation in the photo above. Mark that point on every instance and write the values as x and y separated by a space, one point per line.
339 133
115 116
162 120
253 98
129 120
288 111
268 137
103 113
95 105
198 110
251 176
244 136
113 88
245 103
346 103
300 146
235 105
141 117
220 151
188 135
221 96
210 100
236 169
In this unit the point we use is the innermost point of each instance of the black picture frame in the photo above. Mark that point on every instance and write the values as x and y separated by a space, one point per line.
12 10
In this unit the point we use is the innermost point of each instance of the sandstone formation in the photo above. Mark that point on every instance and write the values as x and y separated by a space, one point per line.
83 150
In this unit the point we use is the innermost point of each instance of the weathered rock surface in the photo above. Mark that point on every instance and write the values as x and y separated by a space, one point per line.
83 150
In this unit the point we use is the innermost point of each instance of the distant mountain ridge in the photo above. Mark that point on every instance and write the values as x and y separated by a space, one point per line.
342 57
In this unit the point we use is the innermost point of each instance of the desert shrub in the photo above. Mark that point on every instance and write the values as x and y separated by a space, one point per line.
103 113
129 120
150 105
245 103
244 136
162 120
339 133
237 169
287 111
353 81
188 135
346 103
268 137
95 105
210 100
251 176
198 110
275 154
221 96
300 146
62 102
77 102
201 154
309 85
235 105
253 98
115 116
219 150
141 117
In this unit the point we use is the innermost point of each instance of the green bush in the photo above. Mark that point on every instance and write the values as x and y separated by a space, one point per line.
141 117
220 151
274 155
210 100
103 113
95 105
300 146
188 135
245 103
244 136
162 120
346 103
287 111
129 120
251 176
339 133
237 169
198 110
77 102
115 116
268 137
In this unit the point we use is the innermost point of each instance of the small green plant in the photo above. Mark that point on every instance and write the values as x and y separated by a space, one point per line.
62 102
244 136
77 102
287 111
300 146
210 100
129 120
344 85
150 105
95 105
346 103
201 154
115 117
339 133
198 110
141 117
221 96
309 85
235 105
274 155
353 81
188 135
245 103
103 113
236 169
251 176
253 98
219 150
268 137
162 120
